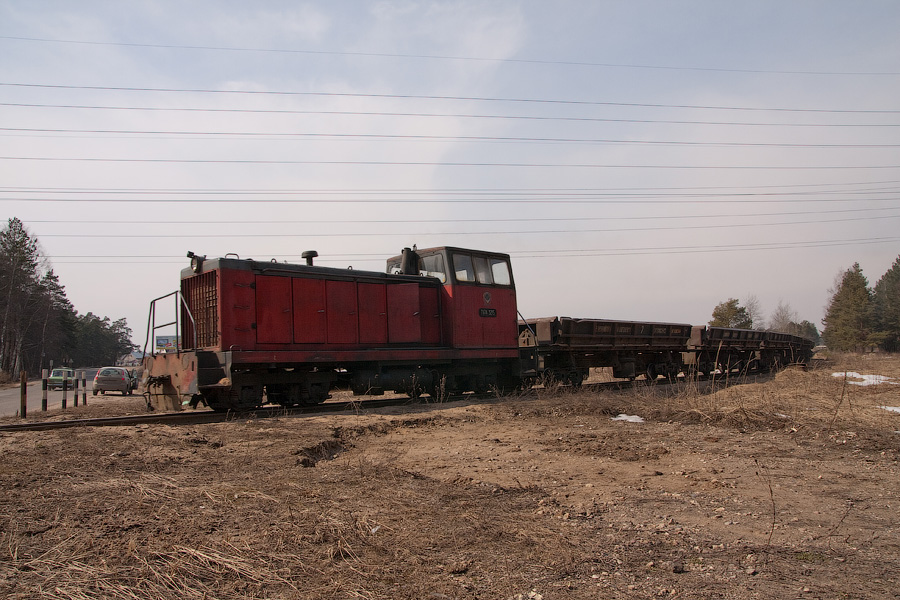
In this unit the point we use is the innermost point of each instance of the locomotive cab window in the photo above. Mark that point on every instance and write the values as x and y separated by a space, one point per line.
485 270
433 266
463 268
500 271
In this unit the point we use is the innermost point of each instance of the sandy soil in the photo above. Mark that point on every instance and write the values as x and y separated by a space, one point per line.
782 488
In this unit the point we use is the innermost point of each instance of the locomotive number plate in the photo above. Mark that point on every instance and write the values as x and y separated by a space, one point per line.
487 312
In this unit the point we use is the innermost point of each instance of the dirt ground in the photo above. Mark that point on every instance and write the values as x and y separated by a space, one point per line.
784 487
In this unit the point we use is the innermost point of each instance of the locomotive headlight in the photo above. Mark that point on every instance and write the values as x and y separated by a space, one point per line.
196 261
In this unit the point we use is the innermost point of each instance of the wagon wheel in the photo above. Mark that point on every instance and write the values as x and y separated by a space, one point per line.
574 379
651 374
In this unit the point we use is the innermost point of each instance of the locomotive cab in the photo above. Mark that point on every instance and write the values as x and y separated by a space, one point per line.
478 298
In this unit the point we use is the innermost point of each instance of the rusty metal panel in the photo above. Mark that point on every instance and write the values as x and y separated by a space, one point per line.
747 339
237 302
274 324
404 324
430 312
607 334
309 310
497 316
373 324
342 312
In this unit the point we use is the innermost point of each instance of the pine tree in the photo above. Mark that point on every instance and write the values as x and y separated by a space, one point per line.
886 305
808 330
848 318
20 258
730 314
56 339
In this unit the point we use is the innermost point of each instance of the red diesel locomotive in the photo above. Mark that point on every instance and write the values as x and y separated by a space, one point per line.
439 321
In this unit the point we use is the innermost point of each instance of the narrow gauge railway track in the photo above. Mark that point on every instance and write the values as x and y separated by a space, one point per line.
205 416
209 416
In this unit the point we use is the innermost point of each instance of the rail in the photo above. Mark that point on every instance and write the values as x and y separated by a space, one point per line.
152 326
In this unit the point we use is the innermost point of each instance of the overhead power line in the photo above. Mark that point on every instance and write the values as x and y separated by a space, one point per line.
436 97
429 138
397 163
354 234
707 249
472 191
440 115
527 61
197 223
549 199
554 254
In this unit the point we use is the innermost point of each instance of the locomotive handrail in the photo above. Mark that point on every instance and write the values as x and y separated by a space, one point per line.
152 326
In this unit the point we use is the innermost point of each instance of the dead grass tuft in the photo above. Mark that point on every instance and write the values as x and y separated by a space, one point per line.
811 400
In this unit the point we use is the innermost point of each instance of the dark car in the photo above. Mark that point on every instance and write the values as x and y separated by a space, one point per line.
113 379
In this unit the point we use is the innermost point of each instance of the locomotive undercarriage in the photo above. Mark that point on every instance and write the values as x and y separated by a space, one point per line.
210 378
572 368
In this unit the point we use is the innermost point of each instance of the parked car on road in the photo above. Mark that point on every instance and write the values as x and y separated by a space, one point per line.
113 379
55 381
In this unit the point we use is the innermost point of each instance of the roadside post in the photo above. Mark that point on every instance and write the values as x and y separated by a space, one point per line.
65 398
75 389
83 389
44 374
23 399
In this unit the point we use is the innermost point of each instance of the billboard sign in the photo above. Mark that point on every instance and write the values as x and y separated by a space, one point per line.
168 343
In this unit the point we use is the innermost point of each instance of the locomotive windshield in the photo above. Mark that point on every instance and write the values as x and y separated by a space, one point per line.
460 266
480 269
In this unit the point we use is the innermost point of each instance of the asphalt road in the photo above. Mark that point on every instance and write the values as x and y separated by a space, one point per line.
10 397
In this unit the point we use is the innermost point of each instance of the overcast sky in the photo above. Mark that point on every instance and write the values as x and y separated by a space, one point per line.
638 160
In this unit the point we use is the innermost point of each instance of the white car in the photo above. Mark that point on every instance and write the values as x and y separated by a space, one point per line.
113 379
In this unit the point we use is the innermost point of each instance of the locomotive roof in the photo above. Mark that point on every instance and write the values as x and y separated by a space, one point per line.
285 268
453 249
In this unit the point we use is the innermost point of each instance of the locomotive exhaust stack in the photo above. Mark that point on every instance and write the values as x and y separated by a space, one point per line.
409 261
308 256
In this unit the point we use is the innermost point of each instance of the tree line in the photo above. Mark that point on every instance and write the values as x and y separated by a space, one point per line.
38 323
857 317
731 313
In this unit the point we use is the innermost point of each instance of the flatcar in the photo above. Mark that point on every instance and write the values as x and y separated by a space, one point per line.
439 321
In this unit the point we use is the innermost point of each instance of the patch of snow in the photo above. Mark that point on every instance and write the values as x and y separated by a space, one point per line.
628 418
895 409
866 379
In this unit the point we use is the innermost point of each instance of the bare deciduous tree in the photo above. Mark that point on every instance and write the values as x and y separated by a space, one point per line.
784 318
755 311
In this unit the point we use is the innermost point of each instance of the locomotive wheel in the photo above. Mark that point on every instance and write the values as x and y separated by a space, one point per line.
318 393
225 400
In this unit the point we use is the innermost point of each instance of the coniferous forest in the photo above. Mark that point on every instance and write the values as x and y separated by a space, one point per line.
38 324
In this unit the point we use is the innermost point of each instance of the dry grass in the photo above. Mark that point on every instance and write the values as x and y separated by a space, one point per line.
497 506
811 398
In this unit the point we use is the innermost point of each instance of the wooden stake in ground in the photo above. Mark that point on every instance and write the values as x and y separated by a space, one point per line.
23 398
